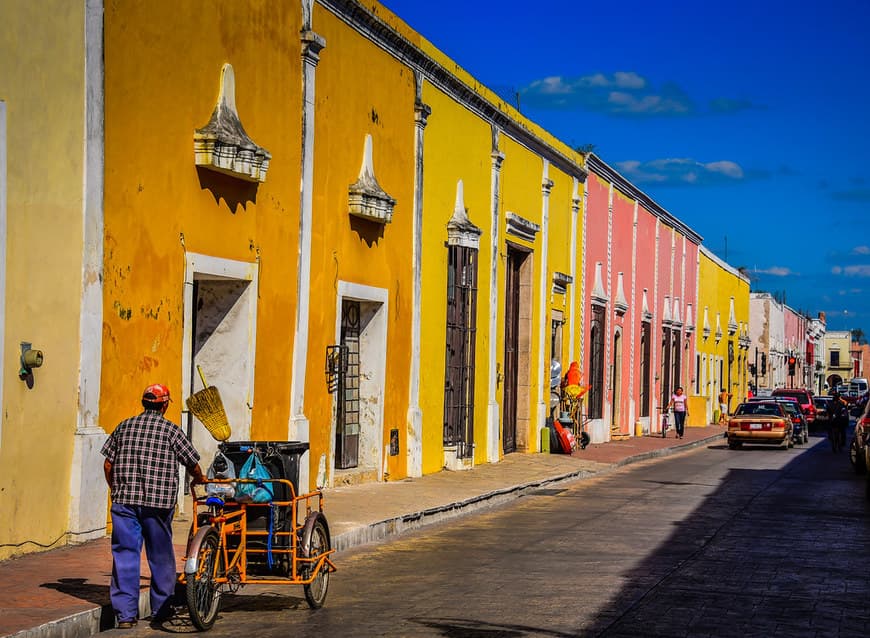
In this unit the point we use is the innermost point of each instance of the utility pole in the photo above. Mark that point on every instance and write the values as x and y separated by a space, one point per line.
755 369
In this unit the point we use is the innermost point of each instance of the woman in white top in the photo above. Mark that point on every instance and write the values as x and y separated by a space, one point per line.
680 404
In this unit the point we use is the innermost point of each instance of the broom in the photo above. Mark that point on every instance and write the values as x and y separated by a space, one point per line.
207 406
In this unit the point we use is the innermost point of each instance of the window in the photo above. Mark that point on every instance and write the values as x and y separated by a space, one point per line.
698 369
835 358
645 352
461 338
596 363
666 366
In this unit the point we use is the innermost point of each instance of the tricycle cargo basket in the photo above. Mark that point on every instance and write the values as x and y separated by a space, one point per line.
281 458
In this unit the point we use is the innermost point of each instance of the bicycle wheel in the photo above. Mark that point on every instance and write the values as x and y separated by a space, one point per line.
318 544
203 594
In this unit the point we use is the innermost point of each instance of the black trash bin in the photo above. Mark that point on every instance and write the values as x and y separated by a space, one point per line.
282 459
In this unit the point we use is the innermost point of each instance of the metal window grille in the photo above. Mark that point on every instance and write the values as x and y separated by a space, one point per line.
645 351
666 366
596 364
461 338
348 425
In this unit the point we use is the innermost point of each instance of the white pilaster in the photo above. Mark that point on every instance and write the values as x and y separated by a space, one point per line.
298 429
493 416
543 327
88 490
415 414
572 293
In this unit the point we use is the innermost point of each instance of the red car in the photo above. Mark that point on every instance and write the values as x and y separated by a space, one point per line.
804 398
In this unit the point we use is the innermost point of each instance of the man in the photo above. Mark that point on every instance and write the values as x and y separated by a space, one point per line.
723 406
838 420
141 468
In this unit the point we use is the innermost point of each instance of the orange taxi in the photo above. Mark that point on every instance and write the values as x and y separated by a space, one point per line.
759 422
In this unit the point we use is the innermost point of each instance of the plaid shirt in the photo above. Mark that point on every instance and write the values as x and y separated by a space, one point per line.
145 451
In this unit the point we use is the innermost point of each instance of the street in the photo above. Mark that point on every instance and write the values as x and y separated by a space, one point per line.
712 542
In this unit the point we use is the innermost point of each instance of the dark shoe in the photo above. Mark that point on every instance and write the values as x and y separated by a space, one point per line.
126 624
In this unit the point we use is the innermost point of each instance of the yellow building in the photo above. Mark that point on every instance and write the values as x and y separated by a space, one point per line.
202 210
51 485
723 357
480 193
312 209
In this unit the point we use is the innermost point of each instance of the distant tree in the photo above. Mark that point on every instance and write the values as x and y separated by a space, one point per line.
743 270
585 148
858 336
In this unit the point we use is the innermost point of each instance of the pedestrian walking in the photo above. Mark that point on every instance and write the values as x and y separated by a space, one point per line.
680 405
141 468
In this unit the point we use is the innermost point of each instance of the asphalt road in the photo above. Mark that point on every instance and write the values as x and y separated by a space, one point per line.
713 542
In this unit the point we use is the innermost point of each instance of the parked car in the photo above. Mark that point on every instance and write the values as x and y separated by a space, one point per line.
760 422
804 398
823 404
800 427
859 449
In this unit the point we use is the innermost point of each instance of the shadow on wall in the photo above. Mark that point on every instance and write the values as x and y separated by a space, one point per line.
370 232
235 192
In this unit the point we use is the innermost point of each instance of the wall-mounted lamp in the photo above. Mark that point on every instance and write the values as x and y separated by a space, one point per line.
30 359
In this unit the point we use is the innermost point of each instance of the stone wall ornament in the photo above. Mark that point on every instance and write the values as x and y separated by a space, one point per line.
599 295
621 303
461 231
365 197
222 145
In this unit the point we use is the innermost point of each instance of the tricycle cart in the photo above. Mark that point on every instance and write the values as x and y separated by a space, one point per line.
281 542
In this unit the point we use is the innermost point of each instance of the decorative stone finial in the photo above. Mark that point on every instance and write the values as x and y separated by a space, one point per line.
460 230
366 198
222 145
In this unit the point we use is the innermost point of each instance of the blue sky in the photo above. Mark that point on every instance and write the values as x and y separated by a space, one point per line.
748 120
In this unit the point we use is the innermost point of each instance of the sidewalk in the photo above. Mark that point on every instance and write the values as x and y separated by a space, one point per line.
64 593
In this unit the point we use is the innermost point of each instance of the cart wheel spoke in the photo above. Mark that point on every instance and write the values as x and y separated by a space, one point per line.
315 592
203 593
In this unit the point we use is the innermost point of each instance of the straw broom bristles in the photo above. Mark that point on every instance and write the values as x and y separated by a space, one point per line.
208 407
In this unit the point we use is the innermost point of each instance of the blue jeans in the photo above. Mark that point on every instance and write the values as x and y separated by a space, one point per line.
680 422
131 526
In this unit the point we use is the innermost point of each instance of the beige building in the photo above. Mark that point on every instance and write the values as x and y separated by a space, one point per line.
838 358
51 172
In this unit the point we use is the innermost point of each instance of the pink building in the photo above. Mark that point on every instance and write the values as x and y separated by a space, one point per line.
799 373
640 285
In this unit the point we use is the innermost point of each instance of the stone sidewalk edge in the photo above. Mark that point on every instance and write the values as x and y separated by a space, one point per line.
90 622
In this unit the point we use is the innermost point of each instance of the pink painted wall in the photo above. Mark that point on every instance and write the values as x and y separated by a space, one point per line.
621 261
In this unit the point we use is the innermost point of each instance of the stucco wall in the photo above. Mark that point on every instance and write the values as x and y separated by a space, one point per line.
44 99
160 208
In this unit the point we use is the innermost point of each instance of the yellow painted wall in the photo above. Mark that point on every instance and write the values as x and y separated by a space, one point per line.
42 84
163 63
361 90
522 174
716 286
559 254
458 146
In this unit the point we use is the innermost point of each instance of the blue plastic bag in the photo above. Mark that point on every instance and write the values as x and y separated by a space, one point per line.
259 492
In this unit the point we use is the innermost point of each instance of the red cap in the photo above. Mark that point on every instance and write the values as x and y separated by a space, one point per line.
156 393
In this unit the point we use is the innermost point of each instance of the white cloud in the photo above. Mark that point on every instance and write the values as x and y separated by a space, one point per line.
620 93
861 250
836 270
775 271
681 171
857 271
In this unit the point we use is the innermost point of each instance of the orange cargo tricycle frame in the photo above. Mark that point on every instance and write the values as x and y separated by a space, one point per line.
287 544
